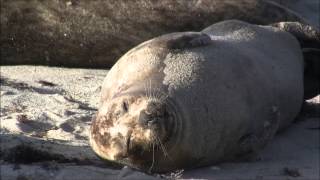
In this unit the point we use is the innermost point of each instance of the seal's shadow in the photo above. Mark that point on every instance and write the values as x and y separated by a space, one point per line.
309 110
21 149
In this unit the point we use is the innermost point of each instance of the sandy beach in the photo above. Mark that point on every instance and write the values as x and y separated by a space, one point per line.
46 111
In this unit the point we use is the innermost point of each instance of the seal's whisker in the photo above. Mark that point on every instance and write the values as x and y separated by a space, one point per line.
152 92
152 164
145 90
149 90
145 86
163 97
158 94
163 148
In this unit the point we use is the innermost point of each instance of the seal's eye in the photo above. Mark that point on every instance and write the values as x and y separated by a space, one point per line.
125 106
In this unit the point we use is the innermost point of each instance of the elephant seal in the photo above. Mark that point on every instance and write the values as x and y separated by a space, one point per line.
192 99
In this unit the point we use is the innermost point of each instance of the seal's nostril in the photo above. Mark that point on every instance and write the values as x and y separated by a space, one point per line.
143 118
146 119
128 143
152 121
125 106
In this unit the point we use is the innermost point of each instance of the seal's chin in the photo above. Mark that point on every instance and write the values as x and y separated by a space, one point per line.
132 130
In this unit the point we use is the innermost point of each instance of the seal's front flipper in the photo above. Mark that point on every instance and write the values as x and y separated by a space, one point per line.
309 39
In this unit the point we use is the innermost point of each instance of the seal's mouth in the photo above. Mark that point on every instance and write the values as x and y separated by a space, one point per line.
132 131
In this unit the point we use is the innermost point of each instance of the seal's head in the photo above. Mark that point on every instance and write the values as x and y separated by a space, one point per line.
133 130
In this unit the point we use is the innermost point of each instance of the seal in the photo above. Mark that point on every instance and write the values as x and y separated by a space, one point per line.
191 99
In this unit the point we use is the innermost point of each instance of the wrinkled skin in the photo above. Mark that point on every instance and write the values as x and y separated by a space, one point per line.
191 99
83 33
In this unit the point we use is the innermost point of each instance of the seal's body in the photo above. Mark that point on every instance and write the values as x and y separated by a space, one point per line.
191 99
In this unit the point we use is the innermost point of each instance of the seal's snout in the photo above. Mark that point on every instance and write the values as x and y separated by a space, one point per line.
148 120
154 117
128 128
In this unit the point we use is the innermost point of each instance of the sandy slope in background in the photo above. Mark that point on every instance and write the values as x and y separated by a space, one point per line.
46 112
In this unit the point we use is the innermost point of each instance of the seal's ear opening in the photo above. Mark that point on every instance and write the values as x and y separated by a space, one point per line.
309 39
